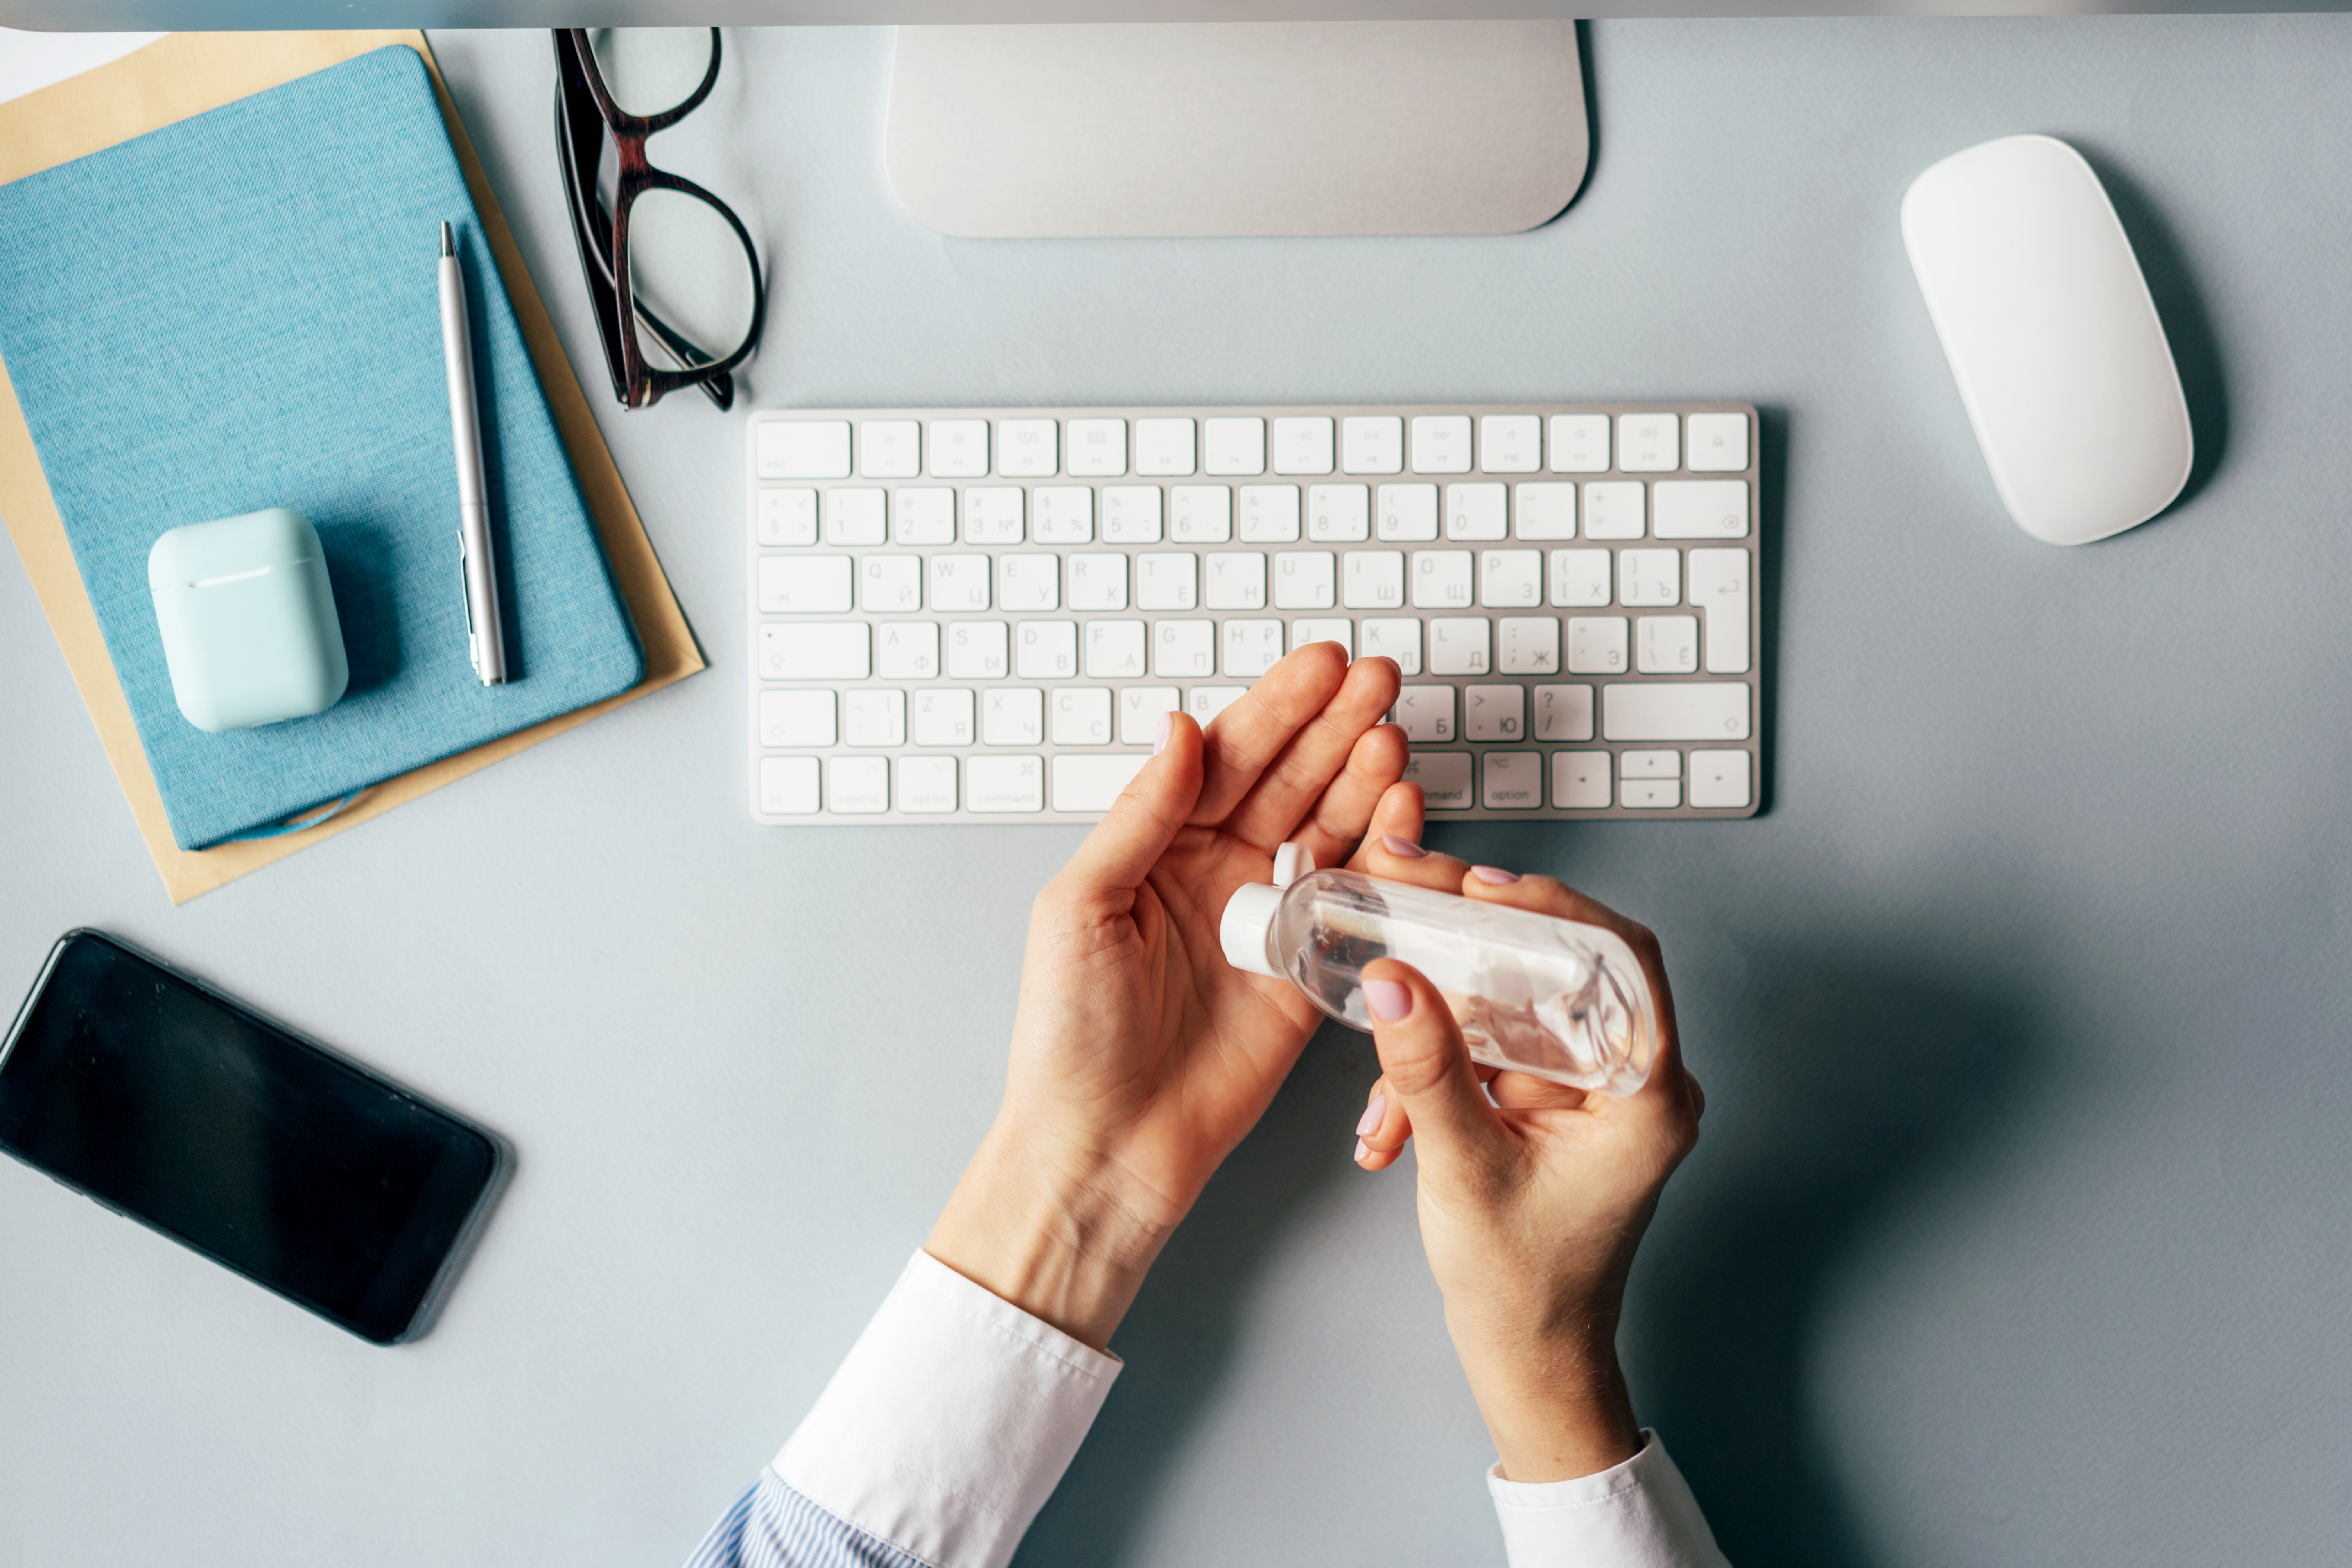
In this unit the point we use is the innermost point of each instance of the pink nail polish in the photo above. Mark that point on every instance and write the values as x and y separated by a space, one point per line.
1404 849
1495 874
1160 741
1373 1113
1362 1149
1388 1000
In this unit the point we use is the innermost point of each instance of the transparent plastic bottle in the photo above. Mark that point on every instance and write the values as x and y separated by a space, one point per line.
1536 994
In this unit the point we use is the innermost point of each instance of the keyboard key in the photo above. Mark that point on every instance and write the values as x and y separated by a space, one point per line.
959 449
1514 781
1236 580
853 517
925 516
1062 514
1718 445
1649 764
943 717
1094 783
1648 443
826 650
993 784
1441 579
1339 514
991 514
872 718
1563 713
1680 710
804 449
787 518
1163 447
1098 581
1371 444
892 450
1026 449
796 718
1200 514
804 584
1531 645
1510 579
1667 645
1580 443
1307 630
1131 514
1302 444
1494 713
1205 702
857 786
1251 647
1596 645
1579 579
1546 509
1477 511
1097 449
1171 580
1441 443
1653 794
1233 446
1701 509
1425 713
1458 645
1046 650
1443 778
1718 585
1080 716
927 785
1408 513
1010 716
1373 580
1114 650
1185 650
1392 637
978 650
1305 579
788 786
1580 781
1718 780
1270 514
1612 509
1028 582
1509 442
1139 708
1649 578
907 650
891 584
958 583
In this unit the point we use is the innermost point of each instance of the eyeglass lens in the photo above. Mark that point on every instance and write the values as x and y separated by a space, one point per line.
687 267
651 71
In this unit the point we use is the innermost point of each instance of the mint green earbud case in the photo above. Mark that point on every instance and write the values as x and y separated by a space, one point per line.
249 620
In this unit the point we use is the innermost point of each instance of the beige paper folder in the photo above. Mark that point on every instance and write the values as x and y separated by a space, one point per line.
167 81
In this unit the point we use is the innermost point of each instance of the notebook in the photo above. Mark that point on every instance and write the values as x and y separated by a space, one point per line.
237 310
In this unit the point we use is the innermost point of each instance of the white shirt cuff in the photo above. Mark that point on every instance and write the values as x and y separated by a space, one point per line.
1638 1514
949 1423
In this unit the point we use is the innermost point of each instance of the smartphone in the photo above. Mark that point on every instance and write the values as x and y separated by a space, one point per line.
191 1113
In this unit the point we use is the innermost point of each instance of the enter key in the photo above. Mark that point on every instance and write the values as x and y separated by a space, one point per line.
1718 584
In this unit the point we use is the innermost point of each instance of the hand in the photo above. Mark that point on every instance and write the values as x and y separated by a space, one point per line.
1532 1202
1140 1056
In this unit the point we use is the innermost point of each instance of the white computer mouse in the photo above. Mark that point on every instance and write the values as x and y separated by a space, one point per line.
2061 362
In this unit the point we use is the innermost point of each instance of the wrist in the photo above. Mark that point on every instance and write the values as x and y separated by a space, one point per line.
1556 1409
1058 1235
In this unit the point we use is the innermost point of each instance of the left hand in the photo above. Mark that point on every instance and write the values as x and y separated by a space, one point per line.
1140 1056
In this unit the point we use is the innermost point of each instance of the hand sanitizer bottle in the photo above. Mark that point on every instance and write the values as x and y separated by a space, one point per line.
1536 994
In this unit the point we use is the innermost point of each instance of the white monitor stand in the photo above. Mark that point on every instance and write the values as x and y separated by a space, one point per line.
1116 129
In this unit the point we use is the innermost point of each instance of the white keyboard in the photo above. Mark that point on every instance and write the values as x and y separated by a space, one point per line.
980 614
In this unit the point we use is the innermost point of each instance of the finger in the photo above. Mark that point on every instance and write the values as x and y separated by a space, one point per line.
1427 1067
1383 1129
1253 731
1347 805
1397 817
1286 791
1526 1091
1129 841
1397 857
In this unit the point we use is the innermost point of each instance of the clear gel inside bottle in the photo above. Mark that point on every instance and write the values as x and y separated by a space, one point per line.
1533 994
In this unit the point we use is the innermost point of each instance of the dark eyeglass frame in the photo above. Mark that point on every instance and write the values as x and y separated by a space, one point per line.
586 113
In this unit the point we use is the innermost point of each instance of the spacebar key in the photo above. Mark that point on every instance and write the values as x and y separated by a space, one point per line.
1084 783
1674 710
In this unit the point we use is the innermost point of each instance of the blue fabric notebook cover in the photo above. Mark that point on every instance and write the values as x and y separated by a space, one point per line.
239 311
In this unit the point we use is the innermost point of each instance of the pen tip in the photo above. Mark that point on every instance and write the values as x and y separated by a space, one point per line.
448 241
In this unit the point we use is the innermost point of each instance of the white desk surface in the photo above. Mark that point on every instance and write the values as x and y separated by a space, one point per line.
2018 1232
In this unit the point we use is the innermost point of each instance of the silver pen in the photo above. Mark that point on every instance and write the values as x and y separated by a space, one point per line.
484 639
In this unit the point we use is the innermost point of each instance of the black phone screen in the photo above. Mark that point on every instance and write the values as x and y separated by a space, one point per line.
252 1145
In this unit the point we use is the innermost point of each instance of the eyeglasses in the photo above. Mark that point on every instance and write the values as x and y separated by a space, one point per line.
670 268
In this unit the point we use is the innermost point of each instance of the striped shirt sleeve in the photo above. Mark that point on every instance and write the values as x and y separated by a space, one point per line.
773 1526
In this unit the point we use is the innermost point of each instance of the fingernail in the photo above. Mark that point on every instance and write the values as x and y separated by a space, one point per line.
1160 741
1493 874
1362 1149
1388 1000
1404 849
1370 1123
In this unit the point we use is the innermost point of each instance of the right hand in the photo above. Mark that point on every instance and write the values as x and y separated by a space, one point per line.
1531 1203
